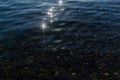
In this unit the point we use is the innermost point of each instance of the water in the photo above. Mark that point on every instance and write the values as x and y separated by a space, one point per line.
86 25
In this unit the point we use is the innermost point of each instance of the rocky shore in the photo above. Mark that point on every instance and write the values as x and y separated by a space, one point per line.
20 62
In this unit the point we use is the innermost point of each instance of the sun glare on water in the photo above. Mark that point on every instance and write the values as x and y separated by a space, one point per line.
60 2
43 26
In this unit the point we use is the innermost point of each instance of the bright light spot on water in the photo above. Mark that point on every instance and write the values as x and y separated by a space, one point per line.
50 14
50 9
43 26
60 2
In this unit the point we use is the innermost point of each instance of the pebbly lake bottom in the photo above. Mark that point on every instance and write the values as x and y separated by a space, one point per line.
24 63
27 59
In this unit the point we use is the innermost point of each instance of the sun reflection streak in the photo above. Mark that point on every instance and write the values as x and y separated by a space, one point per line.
50 12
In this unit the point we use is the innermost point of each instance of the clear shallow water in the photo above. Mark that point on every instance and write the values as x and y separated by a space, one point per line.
85 25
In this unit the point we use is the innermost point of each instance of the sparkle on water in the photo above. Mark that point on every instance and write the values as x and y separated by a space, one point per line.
50 14
44 26
60 2
53 8
50 9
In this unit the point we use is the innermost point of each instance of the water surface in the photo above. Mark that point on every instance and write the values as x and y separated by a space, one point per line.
88 25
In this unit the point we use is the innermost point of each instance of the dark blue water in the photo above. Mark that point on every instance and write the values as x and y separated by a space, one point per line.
88 25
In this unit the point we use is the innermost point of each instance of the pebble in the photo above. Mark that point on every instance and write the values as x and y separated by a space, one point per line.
73 74
106 74
116 73
58 57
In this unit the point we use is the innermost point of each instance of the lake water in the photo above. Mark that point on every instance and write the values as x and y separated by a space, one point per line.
88 25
